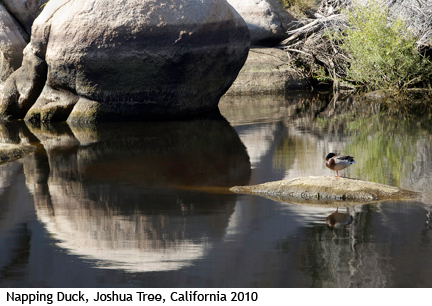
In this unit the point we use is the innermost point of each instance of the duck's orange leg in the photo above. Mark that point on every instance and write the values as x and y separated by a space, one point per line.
337 173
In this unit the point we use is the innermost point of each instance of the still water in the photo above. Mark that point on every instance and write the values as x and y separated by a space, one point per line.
147 204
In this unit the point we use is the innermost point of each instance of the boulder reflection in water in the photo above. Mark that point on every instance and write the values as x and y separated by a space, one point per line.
137 196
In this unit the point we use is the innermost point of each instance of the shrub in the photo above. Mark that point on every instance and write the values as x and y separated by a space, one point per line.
383 53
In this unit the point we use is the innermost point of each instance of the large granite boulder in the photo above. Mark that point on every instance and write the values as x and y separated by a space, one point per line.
267 20
13 39
126 60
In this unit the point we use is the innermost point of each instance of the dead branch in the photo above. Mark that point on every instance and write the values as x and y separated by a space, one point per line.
311 47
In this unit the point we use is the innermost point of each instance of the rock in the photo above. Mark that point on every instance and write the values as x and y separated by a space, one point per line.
25 11
23 86
377 95
268 70
126 60
266 19
288 20
12 42
317 188
11 152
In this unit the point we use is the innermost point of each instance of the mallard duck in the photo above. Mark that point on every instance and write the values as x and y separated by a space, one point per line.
338 162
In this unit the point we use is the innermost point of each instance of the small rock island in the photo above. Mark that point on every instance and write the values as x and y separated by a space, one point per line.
325 188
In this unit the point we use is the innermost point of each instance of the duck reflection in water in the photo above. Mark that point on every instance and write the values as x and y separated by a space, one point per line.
337 219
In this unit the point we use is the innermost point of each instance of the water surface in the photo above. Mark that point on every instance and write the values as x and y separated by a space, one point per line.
147 204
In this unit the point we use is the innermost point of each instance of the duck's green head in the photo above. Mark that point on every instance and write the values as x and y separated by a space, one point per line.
330 155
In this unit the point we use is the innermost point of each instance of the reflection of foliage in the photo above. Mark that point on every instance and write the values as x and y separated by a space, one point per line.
385 137
301 113
285 153
385 147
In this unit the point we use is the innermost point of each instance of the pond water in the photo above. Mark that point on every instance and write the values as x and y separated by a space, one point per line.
147 204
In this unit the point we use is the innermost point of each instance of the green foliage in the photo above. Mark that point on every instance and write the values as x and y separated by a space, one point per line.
383 54
321 74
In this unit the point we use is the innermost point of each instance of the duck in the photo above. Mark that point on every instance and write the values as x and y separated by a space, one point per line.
338 162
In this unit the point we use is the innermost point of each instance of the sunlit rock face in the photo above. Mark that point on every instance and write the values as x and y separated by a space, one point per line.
104 191
267 20
13 39
127 60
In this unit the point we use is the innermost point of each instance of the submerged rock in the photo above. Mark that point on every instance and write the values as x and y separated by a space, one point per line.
317 188
96 60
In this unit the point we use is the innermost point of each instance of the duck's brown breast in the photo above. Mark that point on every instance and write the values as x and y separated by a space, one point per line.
330 163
